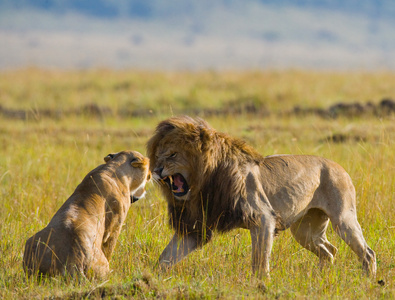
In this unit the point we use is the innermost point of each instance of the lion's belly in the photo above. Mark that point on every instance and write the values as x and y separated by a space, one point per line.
292 196
290 206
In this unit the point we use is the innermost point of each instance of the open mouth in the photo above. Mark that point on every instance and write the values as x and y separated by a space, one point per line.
177 184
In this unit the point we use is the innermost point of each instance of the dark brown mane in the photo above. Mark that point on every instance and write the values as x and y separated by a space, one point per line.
219 202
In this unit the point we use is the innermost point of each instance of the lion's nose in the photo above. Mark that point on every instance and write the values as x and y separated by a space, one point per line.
158 171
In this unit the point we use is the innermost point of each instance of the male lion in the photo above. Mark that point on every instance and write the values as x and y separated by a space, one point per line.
82 235
212 181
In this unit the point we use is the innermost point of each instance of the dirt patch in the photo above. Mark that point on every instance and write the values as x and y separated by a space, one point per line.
343 138
386 107
236 107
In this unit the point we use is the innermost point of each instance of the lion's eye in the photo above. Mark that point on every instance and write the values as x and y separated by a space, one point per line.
173 155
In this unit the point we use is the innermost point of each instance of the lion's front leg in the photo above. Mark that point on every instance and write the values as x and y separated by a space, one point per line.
177 249
262 241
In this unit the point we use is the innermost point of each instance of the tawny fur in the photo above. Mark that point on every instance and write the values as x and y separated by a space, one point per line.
81 237
233 186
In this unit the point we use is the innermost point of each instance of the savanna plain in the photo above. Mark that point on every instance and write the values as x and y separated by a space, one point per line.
56 126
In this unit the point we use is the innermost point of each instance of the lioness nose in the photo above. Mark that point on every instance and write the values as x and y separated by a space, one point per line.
158 171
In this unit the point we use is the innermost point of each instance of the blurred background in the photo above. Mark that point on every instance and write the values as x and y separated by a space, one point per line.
193 35
83 78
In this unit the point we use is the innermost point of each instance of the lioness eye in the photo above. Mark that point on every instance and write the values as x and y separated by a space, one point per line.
173 155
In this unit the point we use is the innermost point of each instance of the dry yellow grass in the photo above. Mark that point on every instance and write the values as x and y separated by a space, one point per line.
43 158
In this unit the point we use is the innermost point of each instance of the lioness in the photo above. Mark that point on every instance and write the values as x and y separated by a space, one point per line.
82 235
212 181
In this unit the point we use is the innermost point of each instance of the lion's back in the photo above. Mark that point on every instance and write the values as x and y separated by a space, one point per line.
306 178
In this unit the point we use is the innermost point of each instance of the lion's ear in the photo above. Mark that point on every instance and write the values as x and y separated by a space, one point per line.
165 126
109 157
205 137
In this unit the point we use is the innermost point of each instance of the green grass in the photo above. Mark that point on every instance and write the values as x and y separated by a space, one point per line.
44 158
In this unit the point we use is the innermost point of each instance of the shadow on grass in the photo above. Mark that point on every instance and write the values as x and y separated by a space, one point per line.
139 287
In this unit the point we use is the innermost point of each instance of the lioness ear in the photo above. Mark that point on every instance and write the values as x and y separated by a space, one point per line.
109 157
136 164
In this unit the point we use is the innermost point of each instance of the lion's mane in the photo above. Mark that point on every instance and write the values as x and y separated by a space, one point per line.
218 199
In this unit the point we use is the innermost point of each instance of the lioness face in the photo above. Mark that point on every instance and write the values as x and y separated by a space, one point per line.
135 168
172 168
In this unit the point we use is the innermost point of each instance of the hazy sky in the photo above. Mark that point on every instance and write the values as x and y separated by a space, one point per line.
217 35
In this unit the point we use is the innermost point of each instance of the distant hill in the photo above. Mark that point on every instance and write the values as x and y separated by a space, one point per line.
198 34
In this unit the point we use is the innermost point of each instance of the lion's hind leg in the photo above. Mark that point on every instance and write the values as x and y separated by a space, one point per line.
347 227
310 232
